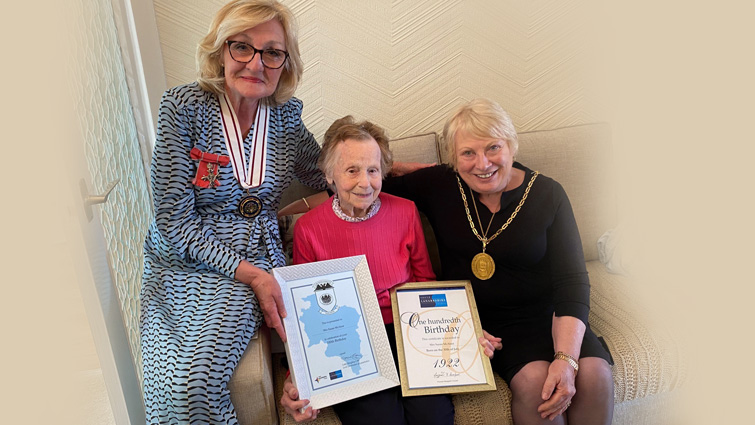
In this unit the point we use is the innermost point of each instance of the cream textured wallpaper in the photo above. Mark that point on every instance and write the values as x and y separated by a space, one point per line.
112 153
405 64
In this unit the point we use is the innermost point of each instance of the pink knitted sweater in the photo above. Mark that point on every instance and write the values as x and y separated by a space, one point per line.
392 241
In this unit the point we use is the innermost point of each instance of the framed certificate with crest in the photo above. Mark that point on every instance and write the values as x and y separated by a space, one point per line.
437 331
337 348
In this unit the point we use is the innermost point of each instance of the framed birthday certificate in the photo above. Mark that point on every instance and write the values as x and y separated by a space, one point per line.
437 331
337 348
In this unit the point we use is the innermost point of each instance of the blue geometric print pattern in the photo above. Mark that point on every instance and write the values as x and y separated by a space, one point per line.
196 319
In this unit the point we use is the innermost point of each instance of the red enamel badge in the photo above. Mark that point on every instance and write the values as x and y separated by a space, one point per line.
207 170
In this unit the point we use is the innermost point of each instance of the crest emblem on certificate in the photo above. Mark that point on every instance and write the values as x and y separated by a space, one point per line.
326 296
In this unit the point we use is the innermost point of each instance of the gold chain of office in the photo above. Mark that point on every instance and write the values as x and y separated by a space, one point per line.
486 241
483 265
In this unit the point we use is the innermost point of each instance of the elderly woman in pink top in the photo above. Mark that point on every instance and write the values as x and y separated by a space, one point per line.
359 219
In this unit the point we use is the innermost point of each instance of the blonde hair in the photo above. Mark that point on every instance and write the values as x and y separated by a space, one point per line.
347 128
236 17
481 118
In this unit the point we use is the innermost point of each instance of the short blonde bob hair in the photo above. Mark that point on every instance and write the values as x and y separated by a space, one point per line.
480 118
236 17
347 128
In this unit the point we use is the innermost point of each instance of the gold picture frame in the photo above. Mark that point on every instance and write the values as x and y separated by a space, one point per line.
437 330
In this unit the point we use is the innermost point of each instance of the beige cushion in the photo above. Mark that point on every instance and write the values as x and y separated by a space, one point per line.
251 384
648 358
579 158
489 407
419 148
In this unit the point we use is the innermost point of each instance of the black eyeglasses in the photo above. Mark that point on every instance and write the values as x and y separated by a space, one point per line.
244 53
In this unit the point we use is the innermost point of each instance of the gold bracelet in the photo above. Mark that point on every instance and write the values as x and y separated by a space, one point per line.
560 355
306 203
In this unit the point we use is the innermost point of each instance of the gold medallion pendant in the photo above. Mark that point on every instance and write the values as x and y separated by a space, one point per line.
250 207
483 266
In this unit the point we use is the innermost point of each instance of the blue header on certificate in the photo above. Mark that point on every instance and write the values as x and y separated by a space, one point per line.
432 300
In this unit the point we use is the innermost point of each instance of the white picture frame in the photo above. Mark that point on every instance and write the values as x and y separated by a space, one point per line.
337 349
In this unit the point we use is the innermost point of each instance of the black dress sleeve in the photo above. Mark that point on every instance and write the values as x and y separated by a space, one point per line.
419 186
571 285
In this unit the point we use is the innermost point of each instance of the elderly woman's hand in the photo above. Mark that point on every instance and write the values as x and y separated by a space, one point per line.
490 343
558 390
292 405
400 168
268 294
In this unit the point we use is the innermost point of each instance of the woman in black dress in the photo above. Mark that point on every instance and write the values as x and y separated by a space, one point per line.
511 231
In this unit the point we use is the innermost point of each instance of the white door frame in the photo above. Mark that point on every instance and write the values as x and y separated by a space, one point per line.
145 76
103 309
143 62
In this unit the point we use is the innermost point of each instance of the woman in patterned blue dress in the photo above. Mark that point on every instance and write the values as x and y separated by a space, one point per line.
227 147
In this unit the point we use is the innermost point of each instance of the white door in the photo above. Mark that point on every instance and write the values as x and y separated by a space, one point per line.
47 237
106 92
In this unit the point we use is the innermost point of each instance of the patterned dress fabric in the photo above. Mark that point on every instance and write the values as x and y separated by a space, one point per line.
196 319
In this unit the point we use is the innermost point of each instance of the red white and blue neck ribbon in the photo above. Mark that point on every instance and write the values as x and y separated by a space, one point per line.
251 175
